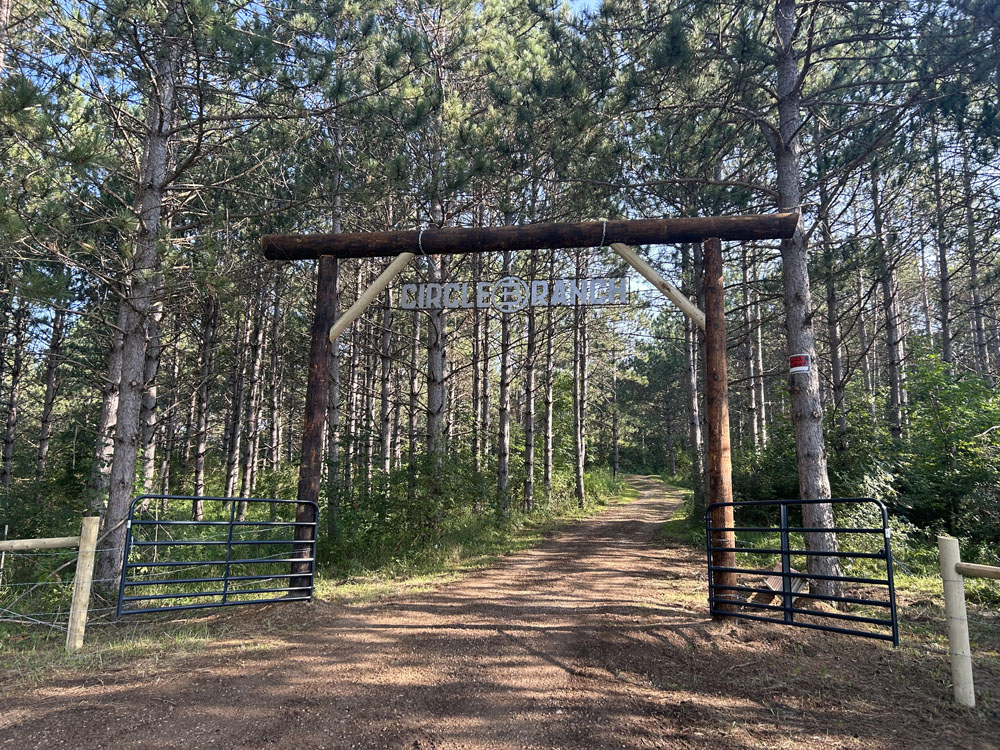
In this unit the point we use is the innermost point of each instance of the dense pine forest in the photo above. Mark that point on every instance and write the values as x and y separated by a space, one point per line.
147 346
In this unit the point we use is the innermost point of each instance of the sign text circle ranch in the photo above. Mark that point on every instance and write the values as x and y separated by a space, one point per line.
511 294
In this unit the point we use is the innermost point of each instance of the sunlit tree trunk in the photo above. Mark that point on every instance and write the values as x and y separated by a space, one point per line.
148 411
503 415
529 406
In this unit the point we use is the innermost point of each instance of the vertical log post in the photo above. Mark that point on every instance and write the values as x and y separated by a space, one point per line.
958 623
720 465
82 582
317 391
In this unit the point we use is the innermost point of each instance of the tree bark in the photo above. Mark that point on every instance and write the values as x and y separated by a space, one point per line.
237 397
695 443
550 333
138 292
751 387
385 412
529 406
414 406
333 412
436 367
944 274
503 415
720 465
981 352
206 360
170 417
147 414
477 404
580 390
833 331
248 450
314 426
807 410
52 361
893 333
277 372
104 444
13 395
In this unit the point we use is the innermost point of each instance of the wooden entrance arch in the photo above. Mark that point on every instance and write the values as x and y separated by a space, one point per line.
405 246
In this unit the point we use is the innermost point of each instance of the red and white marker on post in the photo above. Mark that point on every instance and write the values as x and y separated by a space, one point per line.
799 363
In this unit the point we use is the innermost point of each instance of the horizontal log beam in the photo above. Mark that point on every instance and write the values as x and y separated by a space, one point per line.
973 570
451 240
22 545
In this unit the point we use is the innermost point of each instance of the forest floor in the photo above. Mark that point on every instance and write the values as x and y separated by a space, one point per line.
596 638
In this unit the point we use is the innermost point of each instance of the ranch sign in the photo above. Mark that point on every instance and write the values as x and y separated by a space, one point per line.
511 293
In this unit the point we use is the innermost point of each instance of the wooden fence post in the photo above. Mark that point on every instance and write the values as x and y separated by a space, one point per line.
81 584
958 623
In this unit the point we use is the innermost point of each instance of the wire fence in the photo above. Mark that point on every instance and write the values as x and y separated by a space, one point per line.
36 590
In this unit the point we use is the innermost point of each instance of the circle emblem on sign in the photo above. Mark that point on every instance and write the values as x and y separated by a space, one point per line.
509 294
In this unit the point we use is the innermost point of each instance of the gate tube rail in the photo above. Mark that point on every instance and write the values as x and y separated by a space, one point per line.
735 605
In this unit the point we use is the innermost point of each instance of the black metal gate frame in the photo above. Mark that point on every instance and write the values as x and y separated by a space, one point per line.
787 596
308 547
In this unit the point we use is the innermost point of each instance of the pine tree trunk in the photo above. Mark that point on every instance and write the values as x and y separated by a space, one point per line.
371 360
477 405
251 443
237 397
13 394
52 361
353 396
833 331
671 453
503 414
437 338
170 417
944 274
695 442
147 416
807 410
529 406
580 392
758 356
894 341
614 418
206 361
277 370
484 381
104 444
333 415
981 353
138 295
385 413
550 332
414 406
751 388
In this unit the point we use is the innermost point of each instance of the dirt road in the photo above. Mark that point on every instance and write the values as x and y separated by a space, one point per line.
595 639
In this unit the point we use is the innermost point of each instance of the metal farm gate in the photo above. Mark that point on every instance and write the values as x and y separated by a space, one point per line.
244 551
866 605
